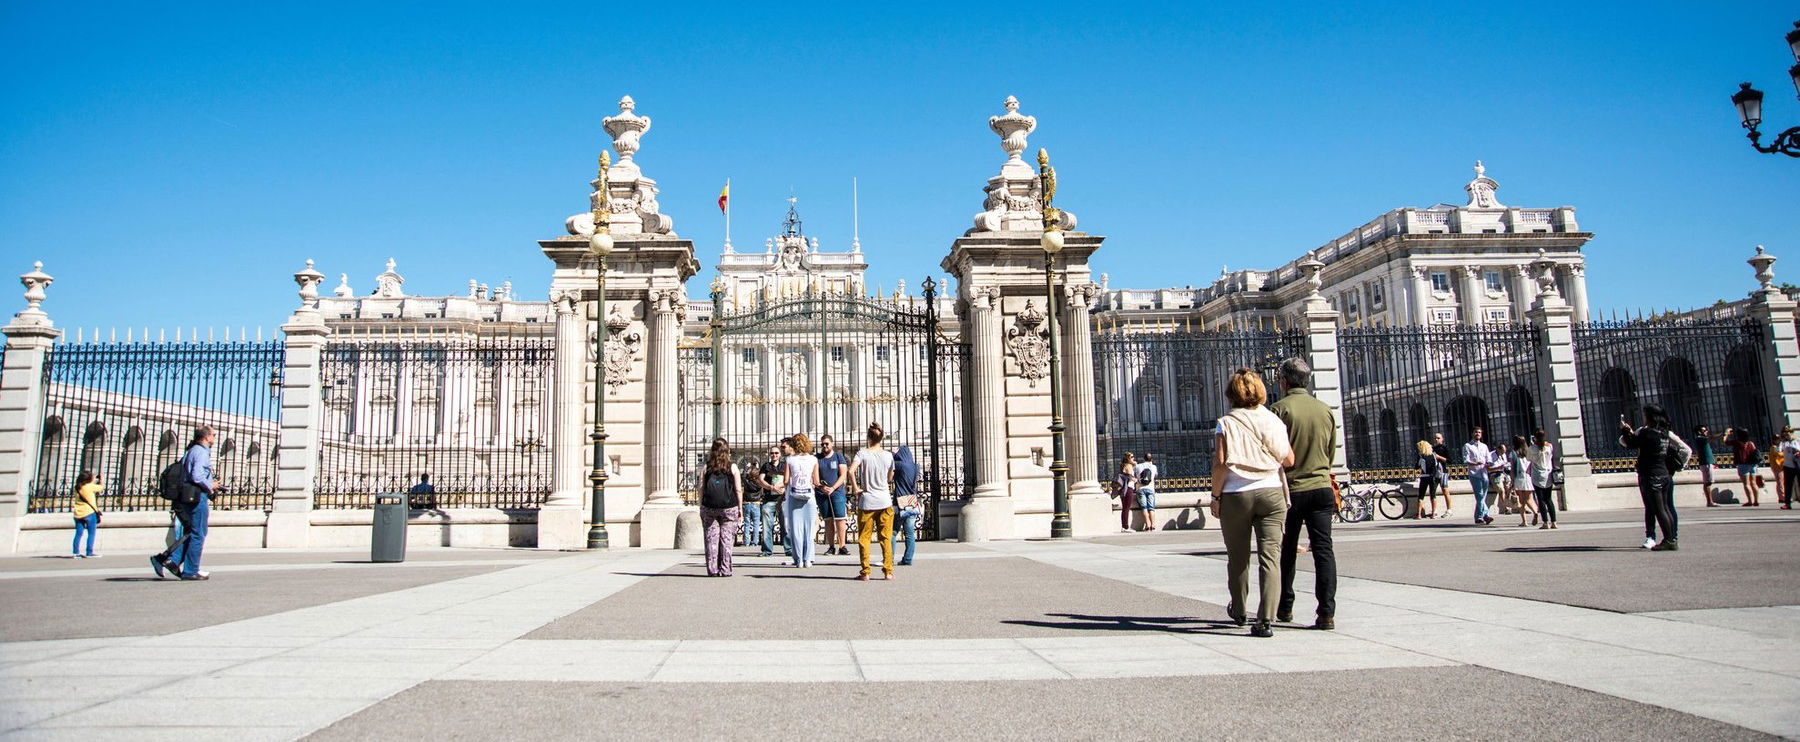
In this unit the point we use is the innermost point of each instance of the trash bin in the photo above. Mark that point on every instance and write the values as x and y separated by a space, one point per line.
388 542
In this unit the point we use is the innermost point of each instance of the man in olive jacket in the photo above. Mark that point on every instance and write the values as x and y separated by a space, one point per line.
1313 433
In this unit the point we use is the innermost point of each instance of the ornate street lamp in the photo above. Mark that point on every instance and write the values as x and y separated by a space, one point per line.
1052 242
1749 106
601 245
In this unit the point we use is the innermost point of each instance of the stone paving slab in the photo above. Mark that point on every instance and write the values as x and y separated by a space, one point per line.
1411 703
766 599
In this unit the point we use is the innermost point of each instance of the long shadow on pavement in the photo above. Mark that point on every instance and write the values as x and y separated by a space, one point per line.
1164 624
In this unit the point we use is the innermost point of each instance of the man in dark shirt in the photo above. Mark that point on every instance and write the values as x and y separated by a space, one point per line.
769 485
1312 431
423 495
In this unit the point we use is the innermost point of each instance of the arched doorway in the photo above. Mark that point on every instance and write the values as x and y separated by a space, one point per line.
1521 414
1357 447
1678 387
1421 423
1461 416
1391 452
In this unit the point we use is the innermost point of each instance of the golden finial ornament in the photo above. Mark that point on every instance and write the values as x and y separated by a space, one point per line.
602 211
1047 181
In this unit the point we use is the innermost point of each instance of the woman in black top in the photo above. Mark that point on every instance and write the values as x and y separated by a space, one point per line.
1655 450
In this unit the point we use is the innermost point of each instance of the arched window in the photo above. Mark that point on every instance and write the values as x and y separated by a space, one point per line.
1357 448
1678 387
131 463
1462 416
1521 414
1744 367
1421 423
1150 406
1192 409
93 448
50 456
1618 398
1391 453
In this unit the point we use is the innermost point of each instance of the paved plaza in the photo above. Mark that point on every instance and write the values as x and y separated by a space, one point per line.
1445 630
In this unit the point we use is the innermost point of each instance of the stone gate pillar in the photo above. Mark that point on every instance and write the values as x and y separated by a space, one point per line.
1321 323
999 268
1559 390
562 521
635 340
28 340
297 452
1090 510
1781 353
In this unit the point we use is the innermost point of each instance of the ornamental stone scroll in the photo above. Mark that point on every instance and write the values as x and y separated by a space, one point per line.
1028 341
622 345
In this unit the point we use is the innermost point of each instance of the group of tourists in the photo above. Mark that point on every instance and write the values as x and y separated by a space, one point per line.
1514 477
1272 476
1783 459
1134 486
786 493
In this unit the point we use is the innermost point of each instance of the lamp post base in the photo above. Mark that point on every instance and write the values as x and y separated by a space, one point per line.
596 538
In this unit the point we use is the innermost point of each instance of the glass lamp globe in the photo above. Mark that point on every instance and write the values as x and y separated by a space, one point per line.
1052 241
600 244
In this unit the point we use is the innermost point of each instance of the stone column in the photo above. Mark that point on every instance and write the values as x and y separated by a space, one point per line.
297 453
1472 290
989 512
28 340
662 503
1421 291
1578 292
1559 391
562 523
1090 511
1327 378
1524 291
1781 354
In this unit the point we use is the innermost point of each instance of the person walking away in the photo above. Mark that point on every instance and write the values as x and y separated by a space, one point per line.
1518 471
769 482
1144 478
800 509
423 496
1441 453
1125 489
1702 444
721 506
1312 435
1743 455
1250 497
1477 457
1790 468
833 501
1657 451
873 472
1500 481
196 463
1427 482
86 512
1541 455
906 503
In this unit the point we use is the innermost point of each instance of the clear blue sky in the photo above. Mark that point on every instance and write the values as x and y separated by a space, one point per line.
174 164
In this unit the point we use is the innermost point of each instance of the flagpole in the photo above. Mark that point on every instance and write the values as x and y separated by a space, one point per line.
728 213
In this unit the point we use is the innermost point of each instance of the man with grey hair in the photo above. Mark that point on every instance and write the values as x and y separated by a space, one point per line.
1312 431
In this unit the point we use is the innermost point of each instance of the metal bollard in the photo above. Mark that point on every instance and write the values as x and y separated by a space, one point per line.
388 541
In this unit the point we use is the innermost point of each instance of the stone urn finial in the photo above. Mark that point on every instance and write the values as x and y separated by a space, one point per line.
1764 264
1012 128
34 282
1310 269
308 279
1545 268
626 128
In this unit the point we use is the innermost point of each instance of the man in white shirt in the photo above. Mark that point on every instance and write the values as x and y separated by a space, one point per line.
1479 458
1145 476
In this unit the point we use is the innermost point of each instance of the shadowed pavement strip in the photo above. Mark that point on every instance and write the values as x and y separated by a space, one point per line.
1415 703
1001 597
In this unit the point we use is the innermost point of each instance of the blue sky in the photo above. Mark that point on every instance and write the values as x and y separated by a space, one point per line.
174 165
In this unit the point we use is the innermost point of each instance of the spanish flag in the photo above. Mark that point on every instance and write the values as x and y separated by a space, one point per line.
724 196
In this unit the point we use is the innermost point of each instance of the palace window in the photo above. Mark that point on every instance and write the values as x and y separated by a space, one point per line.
1440 282
749 355
837 354
1377 296
1494 284
882 353
1499 315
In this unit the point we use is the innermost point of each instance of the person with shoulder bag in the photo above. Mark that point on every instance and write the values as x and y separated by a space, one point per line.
907 512
721 506
1657 448
86 512
1313 496
1125 490
800 511
1250 495
189 489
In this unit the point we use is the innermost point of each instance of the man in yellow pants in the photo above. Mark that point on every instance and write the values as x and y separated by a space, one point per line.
872 473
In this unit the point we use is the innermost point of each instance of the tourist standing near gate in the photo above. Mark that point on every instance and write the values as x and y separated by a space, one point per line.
86 512
1542 456
1441 453
833 501
873 472
1790 468
1428 481
906 502
1145 481
1312 435
1743 454
721 505
752 523
1703 447
1658 449
769 485
1249 495
800 508
1518 466
1125 488
1477 457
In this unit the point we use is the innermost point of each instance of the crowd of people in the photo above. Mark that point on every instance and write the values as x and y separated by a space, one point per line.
1515 477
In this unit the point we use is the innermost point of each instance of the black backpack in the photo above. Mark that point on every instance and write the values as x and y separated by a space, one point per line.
1144 478
717 493
174 485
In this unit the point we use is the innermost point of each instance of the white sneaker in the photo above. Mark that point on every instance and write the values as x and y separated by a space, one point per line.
204 573
1649 542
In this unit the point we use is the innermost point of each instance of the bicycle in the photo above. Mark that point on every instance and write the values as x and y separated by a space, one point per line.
1389 498
1354 508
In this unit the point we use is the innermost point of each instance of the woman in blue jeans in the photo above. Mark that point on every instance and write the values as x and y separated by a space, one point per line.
906 501
87 513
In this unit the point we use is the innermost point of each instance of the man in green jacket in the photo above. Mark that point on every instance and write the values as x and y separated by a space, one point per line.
1313 433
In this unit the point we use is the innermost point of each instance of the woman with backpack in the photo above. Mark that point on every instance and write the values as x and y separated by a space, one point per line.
721 507
799 511
87 513
1660 453
1125 489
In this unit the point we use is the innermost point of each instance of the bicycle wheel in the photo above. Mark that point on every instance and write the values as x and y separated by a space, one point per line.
1393 504
1354 510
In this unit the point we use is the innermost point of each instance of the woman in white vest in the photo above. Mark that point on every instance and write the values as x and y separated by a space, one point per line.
800 510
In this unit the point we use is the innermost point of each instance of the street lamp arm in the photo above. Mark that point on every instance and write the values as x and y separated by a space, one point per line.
1787 142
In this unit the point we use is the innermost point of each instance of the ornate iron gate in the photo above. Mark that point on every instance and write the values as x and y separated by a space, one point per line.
828 364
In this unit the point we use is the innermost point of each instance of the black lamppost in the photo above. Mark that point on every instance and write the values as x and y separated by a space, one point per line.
1052 242
1749 105
601 245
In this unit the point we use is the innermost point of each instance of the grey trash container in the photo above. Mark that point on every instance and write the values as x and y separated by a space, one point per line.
388 542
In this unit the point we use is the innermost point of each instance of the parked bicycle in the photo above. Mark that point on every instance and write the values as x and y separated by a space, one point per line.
1390 499
1353 506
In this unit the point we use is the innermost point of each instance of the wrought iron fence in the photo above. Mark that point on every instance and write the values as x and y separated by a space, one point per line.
1161 390
1704 372
1403 384
126 410
471 419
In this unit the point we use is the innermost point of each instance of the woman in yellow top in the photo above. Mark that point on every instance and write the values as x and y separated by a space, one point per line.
87 513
